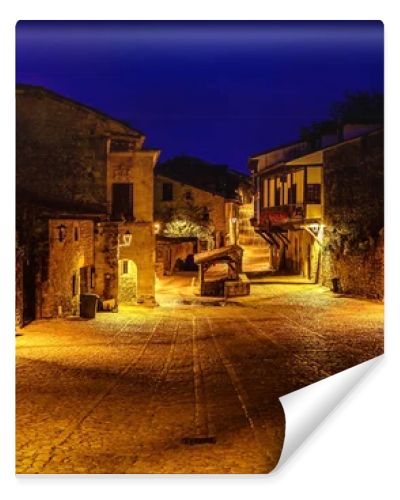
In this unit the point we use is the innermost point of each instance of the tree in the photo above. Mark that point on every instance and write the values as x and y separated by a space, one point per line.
356 108
187 220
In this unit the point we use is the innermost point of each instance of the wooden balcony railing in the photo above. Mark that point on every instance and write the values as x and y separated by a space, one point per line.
276 216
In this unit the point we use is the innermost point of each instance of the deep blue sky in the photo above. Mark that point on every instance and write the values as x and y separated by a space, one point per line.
217 90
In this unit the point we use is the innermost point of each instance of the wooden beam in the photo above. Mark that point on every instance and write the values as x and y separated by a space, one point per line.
265 236
280 237
305 191
285 238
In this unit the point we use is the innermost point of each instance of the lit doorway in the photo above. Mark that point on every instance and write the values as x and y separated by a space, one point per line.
127 282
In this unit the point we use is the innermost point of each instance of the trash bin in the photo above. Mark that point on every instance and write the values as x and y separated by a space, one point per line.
88 305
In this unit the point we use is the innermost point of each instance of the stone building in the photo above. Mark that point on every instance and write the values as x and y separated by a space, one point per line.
353 234
188 193
321 212
84 206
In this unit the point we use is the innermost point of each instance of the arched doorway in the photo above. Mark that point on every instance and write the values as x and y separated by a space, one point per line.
127 281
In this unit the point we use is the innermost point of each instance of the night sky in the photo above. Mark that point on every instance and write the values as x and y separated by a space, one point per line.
220 91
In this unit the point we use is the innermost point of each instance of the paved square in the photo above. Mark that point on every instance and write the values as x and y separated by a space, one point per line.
188 387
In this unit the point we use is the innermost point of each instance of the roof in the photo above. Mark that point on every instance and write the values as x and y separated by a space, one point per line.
35 89
233 252
316 157
215 179
276 148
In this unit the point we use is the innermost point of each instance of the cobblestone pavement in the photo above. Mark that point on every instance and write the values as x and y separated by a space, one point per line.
188 387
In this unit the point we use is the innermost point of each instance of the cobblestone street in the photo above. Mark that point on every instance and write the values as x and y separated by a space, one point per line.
189 387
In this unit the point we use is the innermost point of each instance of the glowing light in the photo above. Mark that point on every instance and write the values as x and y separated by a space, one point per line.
127 239
157 227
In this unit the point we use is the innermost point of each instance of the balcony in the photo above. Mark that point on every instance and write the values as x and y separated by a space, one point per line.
286 215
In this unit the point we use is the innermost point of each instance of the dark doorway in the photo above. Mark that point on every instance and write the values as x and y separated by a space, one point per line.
29 291
122 201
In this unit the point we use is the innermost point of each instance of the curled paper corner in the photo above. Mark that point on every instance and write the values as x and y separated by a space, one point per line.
306 408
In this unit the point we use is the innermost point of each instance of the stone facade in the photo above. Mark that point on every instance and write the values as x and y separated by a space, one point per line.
136 168
359 273
219 209
62 149
353 216
77 164
70 268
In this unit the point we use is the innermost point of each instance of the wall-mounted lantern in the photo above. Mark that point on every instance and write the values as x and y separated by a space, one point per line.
61 232
127 239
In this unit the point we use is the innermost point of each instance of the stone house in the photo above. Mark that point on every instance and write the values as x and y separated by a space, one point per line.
311 204
188 186
84 206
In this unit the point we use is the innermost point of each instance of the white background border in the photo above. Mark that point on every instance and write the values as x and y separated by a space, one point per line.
354 454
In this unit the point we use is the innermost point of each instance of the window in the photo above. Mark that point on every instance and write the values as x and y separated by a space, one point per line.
188 195
313 195
76 233
122 201
167 192
292 194
125 267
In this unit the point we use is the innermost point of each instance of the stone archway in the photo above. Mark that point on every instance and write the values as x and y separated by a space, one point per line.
127 281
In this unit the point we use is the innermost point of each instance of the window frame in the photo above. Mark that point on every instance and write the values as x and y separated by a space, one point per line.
130 213
313 194
164 196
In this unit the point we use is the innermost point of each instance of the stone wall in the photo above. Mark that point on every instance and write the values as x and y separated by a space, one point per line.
200 198
353 216
60 292
359 273
137 168
106 260
142 253
109 253
68 157
19 286
62 149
